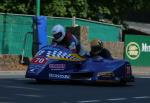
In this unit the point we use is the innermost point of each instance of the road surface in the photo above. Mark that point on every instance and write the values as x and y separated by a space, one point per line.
17 89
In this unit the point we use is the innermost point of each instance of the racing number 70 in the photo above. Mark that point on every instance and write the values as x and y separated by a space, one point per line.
39 60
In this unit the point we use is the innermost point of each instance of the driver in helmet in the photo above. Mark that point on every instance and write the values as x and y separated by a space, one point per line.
66 40
97 50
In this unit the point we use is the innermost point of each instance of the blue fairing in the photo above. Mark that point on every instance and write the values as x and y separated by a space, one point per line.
58 63
102 65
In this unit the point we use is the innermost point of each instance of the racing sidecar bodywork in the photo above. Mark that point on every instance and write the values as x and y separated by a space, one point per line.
58 63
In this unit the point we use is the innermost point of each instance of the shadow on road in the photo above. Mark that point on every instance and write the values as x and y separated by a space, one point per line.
78 83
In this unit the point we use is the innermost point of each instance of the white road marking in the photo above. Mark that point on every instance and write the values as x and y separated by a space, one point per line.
142 97
111 99
89 101
4 97
6 102
29 95
19 87
117 99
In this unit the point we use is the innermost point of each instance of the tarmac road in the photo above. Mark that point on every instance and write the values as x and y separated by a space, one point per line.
14 88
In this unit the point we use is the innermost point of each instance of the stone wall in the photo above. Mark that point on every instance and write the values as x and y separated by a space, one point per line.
11 62
116 49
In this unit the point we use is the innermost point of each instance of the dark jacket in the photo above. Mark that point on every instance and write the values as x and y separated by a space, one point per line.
105 53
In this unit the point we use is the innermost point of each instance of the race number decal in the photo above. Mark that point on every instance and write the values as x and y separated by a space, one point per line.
39 60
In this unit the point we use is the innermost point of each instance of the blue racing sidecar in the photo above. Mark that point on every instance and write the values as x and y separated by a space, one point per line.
58 63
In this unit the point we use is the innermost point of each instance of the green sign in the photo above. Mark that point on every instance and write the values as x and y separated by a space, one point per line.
137 49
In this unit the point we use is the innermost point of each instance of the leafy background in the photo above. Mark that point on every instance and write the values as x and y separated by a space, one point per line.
115 10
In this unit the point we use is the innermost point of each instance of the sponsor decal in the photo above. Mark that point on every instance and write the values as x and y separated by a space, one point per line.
145 47
57 66
133 50
60 76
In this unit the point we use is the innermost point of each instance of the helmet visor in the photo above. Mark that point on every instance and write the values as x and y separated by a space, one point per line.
57 35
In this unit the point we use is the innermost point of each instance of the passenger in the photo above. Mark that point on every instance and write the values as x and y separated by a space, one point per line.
97 50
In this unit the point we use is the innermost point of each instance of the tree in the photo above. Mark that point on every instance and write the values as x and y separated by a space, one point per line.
94 9
17 6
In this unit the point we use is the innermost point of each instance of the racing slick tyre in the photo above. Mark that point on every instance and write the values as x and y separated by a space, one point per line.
41 81
122 83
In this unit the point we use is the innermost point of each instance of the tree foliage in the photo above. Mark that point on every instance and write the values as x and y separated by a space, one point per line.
116 10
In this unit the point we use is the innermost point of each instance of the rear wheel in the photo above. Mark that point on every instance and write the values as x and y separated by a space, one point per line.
122 82
41 81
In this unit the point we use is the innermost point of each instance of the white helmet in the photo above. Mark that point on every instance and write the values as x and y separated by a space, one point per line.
58 32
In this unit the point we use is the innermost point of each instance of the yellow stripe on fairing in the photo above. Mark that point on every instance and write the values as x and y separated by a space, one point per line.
68 59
